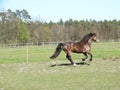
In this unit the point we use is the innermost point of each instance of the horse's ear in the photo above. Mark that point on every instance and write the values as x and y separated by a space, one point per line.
94 34
91 34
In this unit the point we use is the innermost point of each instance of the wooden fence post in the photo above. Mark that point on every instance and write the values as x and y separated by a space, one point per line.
27 57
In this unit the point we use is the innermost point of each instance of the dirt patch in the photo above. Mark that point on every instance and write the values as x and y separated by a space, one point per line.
112 58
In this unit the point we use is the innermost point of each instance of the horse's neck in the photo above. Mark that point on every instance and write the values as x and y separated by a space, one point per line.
87 42
90 41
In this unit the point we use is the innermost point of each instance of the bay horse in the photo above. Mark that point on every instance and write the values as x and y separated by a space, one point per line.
84 46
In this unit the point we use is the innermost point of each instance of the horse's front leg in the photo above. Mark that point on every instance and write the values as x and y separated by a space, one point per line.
85 54
91 56
68 56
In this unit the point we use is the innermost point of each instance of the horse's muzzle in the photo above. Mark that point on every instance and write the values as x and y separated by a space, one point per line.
97 40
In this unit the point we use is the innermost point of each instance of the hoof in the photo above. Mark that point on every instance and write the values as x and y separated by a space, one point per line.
74 65
90 59
83 59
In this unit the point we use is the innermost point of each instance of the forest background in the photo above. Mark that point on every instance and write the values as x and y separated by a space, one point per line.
18 27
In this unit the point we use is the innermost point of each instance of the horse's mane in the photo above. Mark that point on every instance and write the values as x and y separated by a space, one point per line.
87 37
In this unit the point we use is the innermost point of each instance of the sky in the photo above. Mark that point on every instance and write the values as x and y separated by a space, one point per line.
54 10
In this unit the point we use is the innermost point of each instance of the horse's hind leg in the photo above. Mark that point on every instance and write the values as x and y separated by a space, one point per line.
85 54
70 59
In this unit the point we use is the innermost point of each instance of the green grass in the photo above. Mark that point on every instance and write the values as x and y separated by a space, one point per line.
41 73
100 75
42 54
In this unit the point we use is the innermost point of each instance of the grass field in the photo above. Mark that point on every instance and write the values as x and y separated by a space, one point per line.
41 73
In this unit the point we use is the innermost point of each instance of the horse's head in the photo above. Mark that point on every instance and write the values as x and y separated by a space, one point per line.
94 37
90 37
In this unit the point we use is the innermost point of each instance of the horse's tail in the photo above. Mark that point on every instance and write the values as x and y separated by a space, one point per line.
57 51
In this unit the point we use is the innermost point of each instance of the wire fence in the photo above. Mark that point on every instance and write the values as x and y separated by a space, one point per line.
42 44
100 45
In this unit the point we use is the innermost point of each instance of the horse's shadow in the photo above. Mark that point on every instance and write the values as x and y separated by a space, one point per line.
68 64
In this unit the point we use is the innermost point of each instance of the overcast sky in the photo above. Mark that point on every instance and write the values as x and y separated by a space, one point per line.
53 10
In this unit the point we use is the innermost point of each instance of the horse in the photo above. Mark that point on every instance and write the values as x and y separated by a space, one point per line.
83 46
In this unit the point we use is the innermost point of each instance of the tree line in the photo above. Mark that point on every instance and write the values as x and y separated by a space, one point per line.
18 27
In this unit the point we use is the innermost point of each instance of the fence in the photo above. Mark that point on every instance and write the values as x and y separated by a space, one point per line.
100 45
28 44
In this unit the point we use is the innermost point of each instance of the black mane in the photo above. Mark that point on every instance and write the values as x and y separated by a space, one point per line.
87 37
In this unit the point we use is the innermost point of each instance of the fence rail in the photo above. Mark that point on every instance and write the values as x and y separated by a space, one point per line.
28 44
49 44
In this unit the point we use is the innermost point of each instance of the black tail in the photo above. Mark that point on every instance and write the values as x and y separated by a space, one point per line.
57 51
